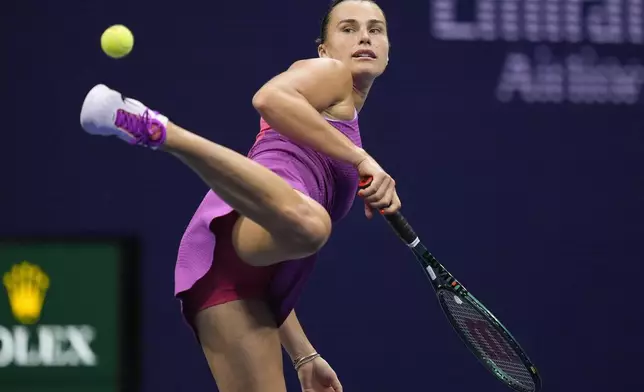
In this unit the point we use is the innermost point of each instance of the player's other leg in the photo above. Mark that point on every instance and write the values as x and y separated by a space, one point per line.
278 223
241 343
236 329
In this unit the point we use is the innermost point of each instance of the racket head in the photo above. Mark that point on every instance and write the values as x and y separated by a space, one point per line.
485 336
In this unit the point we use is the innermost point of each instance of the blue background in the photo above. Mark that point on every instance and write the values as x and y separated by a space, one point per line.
537 209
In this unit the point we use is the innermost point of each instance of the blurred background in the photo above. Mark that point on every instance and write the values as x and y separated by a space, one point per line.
514 129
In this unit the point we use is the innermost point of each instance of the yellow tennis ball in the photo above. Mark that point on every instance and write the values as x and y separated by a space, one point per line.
117 41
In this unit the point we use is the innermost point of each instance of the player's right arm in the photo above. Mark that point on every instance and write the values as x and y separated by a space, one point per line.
292 101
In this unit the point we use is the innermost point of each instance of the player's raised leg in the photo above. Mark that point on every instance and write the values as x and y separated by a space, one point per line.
278 222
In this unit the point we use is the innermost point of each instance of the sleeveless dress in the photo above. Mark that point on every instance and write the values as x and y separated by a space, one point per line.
208 271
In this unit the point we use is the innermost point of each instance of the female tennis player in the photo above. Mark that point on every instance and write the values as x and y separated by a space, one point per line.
251 245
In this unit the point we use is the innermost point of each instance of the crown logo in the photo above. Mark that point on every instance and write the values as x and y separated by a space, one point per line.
26 285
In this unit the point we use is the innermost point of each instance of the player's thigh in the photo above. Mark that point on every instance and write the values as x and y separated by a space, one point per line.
241 343
259 247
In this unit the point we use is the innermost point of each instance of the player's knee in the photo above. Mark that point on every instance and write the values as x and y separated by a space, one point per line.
308 228
296 232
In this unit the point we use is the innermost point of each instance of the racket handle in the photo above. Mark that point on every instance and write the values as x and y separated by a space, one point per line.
396 220
402 228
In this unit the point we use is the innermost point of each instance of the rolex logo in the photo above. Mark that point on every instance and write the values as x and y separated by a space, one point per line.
26 285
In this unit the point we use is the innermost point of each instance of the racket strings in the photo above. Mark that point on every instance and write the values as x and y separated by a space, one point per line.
487 341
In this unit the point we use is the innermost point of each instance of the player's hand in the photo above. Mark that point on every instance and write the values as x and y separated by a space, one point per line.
380 194
317 376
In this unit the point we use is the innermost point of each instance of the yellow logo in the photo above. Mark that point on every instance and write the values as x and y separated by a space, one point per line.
26 285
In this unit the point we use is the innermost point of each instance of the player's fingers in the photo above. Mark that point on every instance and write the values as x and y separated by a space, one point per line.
380 192
385 196
386 200
367 211
376 182
395 205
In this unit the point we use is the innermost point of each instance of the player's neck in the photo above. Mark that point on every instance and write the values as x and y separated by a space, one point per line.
360 93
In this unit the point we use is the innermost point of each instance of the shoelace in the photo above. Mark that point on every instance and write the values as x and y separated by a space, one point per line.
138 126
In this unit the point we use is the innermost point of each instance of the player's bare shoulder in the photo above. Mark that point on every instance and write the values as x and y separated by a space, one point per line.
333 75
327 69
325 83
323 64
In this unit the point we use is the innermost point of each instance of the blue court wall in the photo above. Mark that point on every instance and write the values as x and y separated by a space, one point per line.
514 131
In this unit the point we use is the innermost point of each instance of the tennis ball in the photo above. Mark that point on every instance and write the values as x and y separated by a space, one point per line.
117 41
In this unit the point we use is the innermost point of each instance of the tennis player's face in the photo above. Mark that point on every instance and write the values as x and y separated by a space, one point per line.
357 36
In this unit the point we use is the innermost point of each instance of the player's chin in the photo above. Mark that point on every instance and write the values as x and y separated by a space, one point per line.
367 70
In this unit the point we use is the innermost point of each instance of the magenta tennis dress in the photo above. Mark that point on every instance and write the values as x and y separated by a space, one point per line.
208 271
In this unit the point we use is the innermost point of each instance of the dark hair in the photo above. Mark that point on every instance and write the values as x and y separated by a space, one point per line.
324 26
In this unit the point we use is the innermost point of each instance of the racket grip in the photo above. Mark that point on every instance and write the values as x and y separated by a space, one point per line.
397 221
402 228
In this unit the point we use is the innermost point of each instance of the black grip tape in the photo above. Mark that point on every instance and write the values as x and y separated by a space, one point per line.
401 227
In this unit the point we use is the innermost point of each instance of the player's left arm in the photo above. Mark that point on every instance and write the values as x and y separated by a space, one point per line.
293 338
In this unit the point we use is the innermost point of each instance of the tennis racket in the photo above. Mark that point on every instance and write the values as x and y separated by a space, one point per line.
477 327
